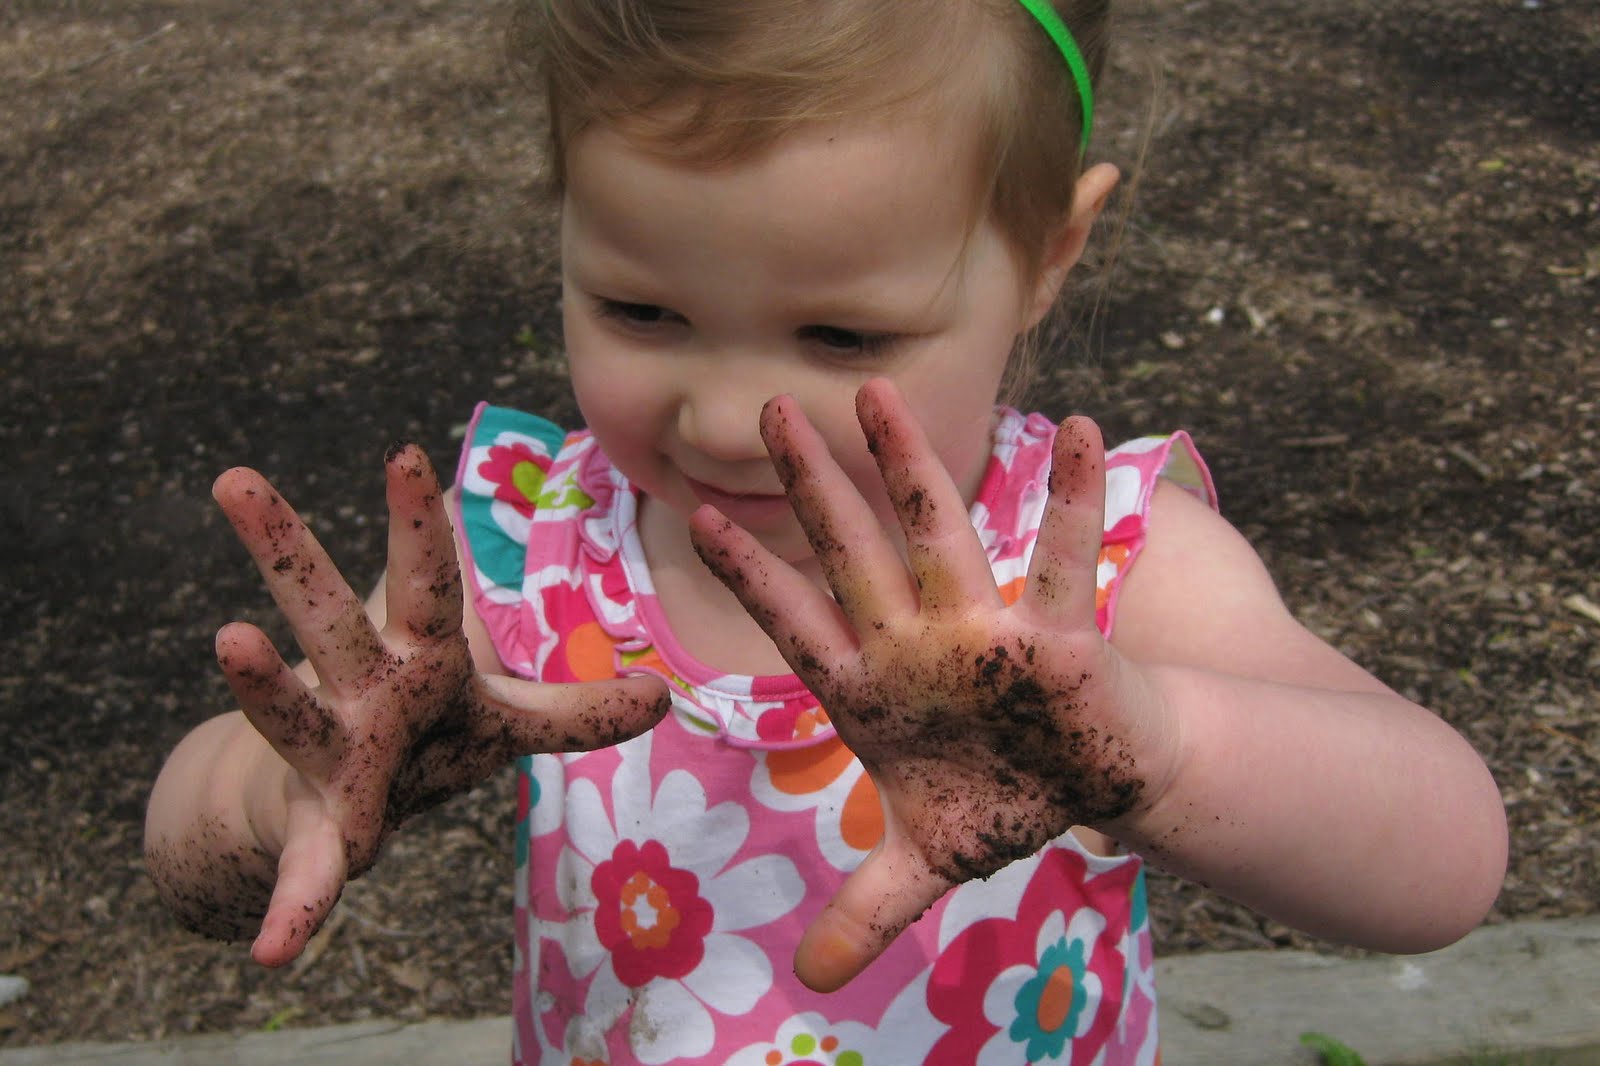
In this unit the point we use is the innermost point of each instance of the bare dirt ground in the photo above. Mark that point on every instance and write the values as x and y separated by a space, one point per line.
1361 268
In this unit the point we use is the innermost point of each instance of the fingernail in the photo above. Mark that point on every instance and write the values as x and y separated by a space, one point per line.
395 448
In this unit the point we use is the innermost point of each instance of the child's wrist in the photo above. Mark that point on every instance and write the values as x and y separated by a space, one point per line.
1154 748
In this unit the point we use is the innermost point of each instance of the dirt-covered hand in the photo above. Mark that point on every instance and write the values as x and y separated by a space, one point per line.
988 729
400 719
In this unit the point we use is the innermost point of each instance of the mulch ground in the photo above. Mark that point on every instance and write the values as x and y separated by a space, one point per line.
1361 268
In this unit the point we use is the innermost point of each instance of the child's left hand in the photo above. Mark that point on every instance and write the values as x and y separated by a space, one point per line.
988 729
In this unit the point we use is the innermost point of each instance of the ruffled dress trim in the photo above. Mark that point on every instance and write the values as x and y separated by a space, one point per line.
551 531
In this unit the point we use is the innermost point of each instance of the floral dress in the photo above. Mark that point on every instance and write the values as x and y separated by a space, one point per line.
663 884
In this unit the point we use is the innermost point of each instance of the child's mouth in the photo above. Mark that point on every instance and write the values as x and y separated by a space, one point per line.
748 509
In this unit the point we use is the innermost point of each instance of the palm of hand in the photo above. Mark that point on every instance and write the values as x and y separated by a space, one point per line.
986 748
988 729
402 719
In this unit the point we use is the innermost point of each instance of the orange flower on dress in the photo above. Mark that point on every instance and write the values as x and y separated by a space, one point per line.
829 778
592 655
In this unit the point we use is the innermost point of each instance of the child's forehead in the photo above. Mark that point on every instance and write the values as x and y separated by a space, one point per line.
885 206
918 159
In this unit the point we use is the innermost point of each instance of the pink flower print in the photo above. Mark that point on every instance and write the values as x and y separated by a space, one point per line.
660 915
1044 986
649 915
517 473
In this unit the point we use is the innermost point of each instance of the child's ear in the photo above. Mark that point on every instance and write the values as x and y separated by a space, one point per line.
1093 192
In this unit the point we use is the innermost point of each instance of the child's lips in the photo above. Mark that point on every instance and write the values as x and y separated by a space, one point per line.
750 509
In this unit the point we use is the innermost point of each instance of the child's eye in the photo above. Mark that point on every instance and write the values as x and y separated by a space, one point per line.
635 314
849 342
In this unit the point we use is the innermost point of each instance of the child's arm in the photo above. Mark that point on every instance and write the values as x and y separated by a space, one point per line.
1219 737
1302 786
259 817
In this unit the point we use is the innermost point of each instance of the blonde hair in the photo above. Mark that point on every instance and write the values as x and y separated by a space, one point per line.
713 82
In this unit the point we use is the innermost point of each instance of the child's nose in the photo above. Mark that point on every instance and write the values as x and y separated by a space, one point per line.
721 419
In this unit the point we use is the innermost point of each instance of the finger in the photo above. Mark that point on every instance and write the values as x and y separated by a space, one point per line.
862 567
887 892
277 702
945 554
536 717
1061 575
805 624
328 619
311 876
423 582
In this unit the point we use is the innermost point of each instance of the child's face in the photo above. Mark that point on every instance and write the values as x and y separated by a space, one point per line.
692 295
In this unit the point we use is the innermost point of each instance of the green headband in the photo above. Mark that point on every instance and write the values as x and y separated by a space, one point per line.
1041 10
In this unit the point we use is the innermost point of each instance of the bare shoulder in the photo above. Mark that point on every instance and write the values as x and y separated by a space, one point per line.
1199 595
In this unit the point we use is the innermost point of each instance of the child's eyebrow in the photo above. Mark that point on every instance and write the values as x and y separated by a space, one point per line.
886 290
907 312
601 269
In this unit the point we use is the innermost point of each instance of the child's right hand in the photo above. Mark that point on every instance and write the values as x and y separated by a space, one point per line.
400 719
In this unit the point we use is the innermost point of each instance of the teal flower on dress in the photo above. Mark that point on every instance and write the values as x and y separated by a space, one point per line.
1048 1003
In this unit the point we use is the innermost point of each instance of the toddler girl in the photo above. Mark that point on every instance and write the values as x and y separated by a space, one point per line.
832 670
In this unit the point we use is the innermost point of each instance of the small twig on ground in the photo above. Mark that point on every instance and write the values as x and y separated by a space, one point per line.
1476 465
374 927
319 943
127 46
1578 742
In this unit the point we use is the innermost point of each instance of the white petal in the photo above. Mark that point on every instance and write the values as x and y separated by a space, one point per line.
588 825
668 1023
1087 924
1123 485
582 945
679 799
998 897
606 1000
1092 990
1052 929
583 1038
719 836
733 976
1000 998
754 893
699 840
550 777
575 881
999 1050
630 786
512 521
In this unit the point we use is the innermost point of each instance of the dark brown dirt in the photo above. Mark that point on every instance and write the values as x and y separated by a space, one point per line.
1361 269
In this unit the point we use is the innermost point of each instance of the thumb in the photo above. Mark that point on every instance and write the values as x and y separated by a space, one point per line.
579 716
311 877
891 888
